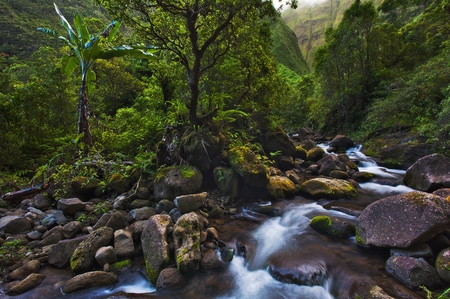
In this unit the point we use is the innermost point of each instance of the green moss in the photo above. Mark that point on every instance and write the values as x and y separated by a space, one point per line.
121 265
151 273
321 223
358 238
187 171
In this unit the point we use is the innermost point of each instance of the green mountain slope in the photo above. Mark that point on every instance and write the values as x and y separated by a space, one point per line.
286 49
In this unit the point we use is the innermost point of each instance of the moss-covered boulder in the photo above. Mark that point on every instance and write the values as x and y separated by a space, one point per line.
443 265
186 236
246 164
403 220
199 148
333 226
84 185
83 258
281 187
89 280
329 163
227 180
278 141
328 188
120 183
177 180
155 240
315 154
300 152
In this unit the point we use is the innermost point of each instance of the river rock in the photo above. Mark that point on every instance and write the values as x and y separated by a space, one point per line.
105 255
52 236
342 143
15 224
278 141
27 284
164 205
123 243
227 180
42 202
140 203
71 229
116 221
156 244
419 250
329 188
120 183
281 187
413 272
89 280
429 173
209 259
421 218
22 272
315 154
186 236
122 202
248 166
443 265
333 226
69 206
177 180
191 202
60 253
329 163
142 213
83 258
170 278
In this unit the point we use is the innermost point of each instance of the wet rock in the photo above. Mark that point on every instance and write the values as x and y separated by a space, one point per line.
142 213
55 217
164 205
69 206
429 173
83 258
155 244
315 154
342 143
227 180
329 188
190 202
209 259
281 187
105 255
177 180
60 253
300 152
216 212
248 166
443 265
362 176
308 144
23 271
52 236
42 202
422 218
333 226
15 224
339 174
419 250
329 163
27 284
186 236
71 229
140 203
170 278
123 243
89 280
413 272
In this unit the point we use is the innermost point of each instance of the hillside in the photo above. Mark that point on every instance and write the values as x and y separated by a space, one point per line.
310 22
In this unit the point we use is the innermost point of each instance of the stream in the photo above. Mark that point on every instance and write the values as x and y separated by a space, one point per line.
284 247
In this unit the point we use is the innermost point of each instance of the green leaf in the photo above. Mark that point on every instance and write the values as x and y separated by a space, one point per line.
127 50
82 30
91 76
73 36
69 64
114 28
48 31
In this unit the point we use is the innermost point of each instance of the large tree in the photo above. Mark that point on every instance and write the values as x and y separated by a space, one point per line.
198 33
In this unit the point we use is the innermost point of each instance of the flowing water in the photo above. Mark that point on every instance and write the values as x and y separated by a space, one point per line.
282 257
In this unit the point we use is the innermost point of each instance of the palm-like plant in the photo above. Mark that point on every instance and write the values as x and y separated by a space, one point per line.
86 49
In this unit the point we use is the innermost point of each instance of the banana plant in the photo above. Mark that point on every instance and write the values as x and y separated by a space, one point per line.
85 49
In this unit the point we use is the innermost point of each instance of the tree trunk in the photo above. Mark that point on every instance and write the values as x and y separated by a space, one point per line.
83 116
194 79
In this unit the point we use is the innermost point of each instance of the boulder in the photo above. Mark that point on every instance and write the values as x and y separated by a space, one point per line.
27 284
419 250
329 188
248 166
413 272
123 243
69 206
333 226
105 255
89 280
142 213
300 152
342 143
123 201
15 224
52 236
191 202
165 205
116 221
284 162
120 183
22 272
199 148
60 253
428 173
403 220
155 244
315 154
170 278
140 203
281 187
186 236
42 202
278 141
71 229
209 259
227 180
83 258
443 265
329 163
177 180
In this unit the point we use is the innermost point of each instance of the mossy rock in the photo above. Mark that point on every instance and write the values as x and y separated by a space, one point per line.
300 152
333 226
315 154
329 188
200 147
281 187
173 181
245 162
